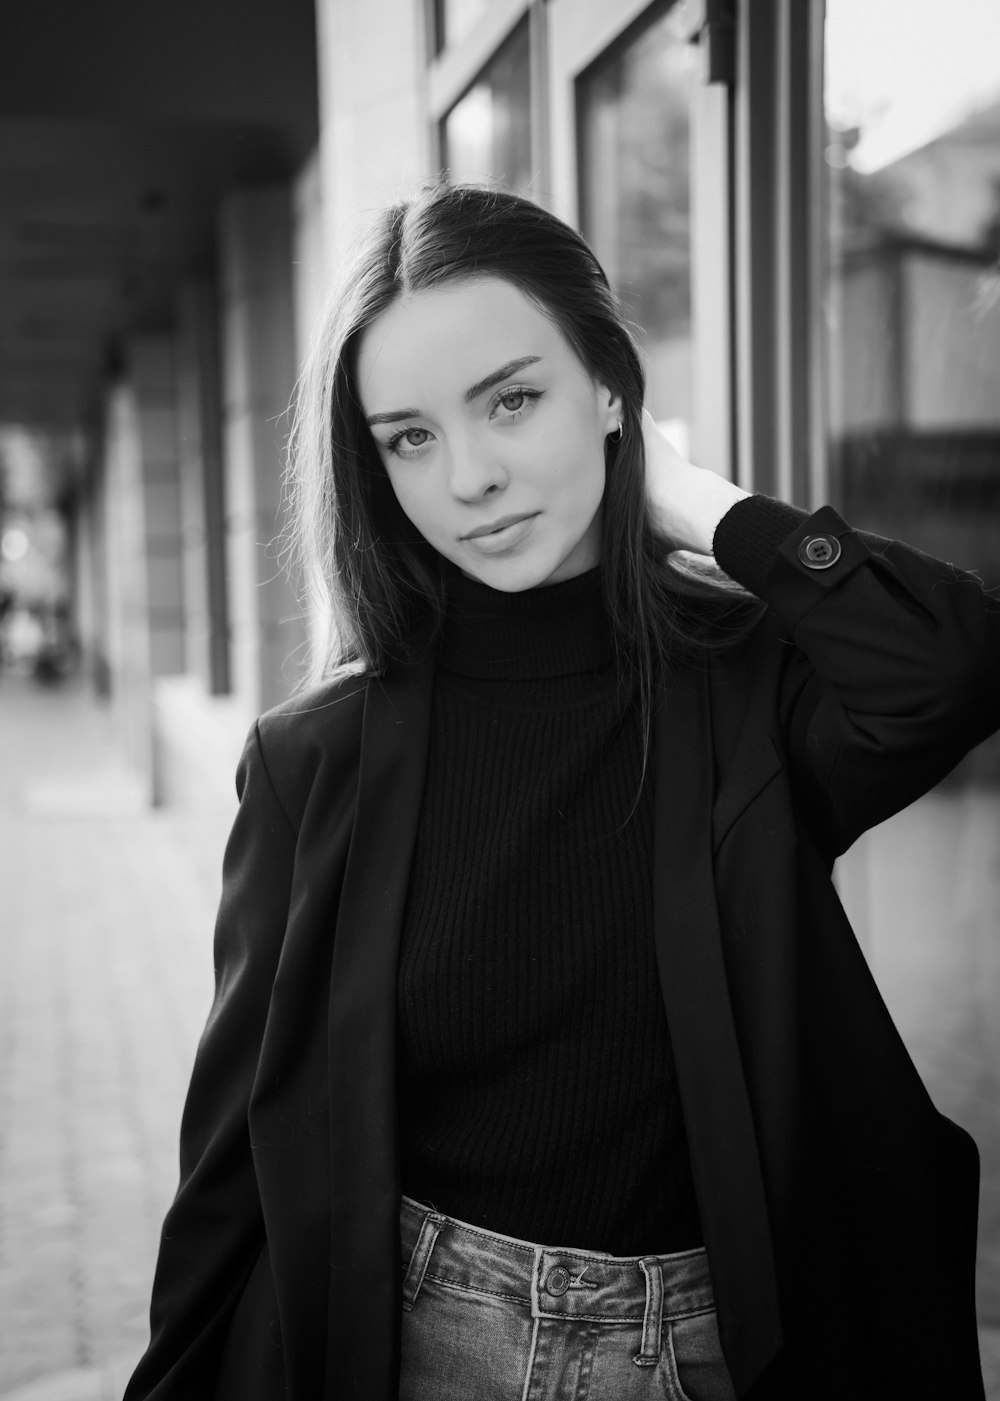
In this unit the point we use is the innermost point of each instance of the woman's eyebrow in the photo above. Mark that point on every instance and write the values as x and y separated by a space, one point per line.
392 417
511 368
480 387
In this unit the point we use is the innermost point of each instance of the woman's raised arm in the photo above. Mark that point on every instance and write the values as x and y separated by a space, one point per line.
895 671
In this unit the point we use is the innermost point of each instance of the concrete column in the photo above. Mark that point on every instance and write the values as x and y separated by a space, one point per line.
310 262
152 365
125 582
90 590
258 340
142 532
199 444
374 133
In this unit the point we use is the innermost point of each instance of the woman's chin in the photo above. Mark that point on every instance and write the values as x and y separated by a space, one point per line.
504 578
517 576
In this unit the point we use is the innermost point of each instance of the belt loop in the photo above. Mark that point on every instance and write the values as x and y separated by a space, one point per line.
652 1321
430 1229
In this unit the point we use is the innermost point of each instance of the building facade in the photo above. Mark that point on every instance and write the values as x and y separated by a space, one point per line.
811 330
180 189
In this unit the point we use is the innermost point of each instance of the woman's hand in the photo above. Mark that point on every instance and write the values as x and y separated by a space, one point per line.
687 502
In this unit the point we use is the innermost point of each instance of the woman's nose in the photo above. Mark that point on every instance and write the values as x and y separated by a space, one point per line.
475 474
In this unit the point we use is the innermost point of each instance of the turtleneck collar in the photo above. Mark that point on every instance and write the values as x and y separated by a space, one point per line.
556 630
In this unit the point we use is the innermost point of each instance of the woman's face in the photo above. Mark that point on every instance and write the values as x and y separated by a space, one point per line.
491 430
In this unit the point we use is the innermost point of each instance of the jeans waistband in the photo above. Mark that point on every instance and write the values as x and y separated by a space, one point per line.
554 1282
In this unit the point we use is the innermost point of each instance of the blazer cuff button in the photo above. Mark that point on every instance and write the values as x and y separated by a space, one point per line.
819 551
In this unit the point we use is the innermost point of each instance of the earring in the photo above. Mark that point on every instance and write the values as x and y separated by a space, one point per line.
618 434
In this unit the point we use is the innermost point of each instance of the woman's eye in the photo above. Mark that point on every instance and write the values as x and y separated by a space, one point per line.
408 441
514 402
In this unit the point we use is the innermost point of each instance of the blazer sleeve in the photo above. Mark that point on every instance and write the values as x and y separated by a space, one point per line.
895 670
213 1231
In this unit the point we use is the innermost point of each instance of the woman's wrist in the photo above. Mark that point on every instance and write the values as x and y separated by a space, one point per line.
692 506
749 537
687 502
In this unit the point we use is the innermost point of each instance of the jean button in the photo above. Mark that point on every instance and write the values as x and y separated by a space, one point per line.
557 1281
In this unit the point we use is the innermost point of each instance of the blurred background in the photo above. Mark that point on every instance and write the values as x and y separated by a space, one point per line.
799 203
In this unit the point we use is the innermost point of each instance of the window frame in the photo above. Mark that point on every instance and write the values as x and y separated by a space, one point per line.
779 223
454 70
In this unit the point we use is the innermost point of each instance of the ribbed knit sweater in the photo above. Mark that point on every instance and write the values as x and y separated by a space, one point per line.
536 1083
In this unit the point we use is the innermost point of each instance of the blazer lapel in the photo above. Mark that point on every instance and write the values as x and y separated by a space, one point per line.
363 1307
748 775
717 1115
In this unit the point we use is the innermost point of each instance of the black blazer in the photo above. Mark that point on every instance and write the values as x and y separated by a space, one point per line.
839 1207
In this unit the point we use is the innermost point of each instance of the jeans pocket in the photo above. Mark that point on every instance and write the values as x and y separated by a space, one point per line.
692 1353
456 1344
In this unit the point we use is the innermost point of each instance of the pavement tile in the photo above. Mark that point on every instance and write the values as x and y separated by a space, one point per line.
106 944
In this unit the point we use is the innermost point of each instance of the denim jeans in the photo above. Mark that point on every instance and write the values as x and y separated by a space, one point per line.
490 1318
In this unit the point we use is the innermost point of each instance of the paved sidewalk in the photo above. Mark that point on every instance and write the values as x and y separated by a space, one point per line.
105 938
105 951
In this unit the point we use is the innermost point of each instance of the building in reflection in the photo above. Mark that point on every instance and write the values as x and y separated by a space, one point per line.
915 284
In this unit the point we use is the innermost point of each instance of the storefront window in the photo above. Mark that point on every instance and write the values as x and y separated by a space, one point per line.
487 134
913 307
912 330
633 109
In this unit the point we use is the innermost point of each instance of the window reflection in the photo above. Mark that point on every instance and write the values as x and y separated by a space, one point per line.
487 134
913 319
913 114
634 134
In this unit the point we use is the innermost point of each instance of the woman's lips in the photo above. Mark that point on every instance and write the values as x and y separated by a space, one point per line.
503 534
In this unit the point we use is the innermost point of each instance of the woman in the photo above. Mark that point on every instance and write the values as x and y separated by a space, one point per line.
543 1062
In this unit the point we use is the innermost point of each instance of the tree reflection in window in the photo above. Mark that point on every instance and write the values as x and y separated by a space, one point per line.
633 113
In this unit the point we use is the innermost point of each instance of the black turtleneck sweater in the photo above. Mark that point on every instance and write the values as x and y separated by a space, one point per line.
537 1090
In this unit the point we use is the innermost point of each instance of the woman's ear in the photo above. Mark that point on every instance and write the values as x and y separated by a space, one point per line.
611 406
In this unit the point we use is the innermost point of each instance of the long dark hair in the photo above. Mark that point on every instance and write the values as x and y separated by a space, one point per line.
372 581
